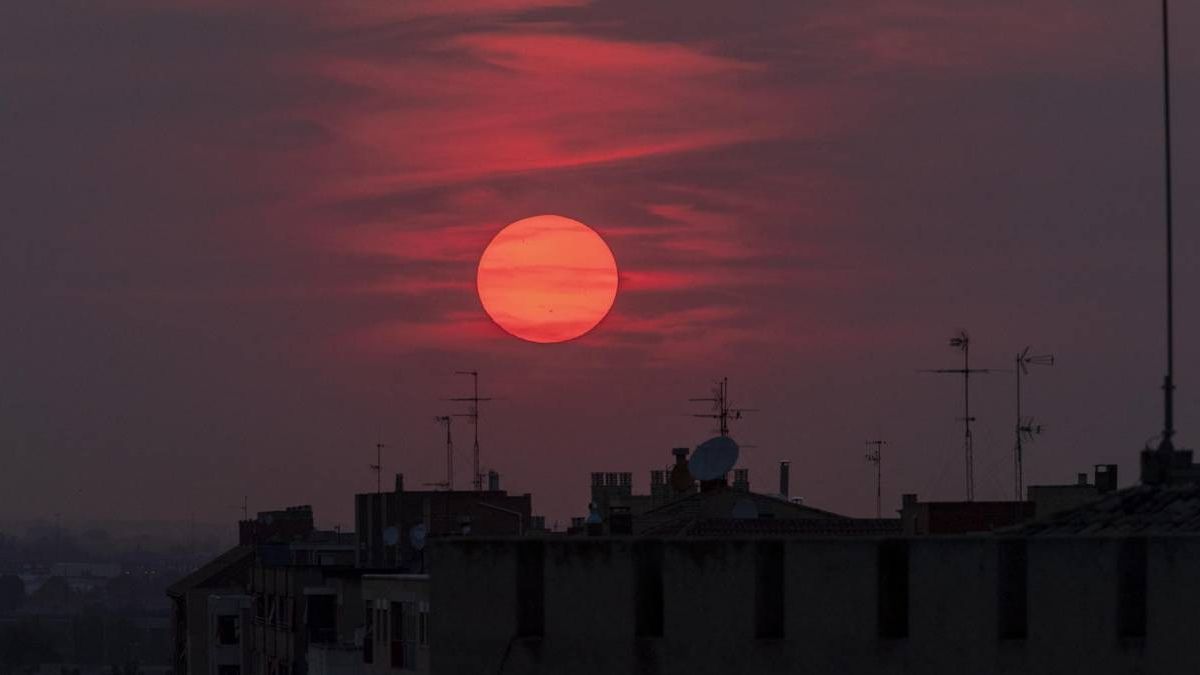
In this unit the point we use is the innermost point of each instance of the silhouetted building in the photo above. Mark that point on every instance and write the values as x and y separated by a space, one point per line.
291 524
1050 499
197 650
611 489
919 517
282 583
385 521
721 511
1166 466
1052 600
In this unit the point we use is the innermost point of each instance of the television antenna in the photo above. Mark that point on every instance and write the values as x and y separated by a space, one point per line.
446 420
962 342
377 467
245 507
722 410
473 415
875 456
1166 446
1025 430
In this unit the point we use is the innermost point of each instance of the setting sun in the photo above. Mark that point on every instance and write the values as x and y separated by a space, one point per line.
547 279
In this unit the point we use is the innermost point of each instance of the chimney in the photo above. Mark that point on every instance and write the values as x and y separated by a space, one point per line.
620 520
494 481
1082 479
680 455
399 482
784 468
1106 478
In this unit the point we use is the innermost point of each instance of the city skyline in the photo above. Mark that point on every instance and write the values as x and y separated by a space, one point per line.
240 281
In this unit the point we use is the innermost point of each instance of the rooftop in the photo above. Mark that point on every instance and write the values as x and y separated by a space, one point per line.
712 513
1141 509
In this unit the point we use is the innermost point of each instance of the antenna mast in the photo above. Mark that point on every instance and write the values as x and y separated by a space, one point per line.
875 456
962 342
473 415
446 420
1166 445
377 467
1025 428
721 407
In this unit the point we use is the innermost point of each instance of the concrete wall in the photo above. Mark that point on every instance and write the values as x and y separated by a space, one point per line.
720 605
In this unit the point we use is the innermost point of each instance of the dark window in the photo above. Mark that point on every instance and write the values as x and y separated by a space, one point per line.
369 636
229 629
423 628
229 670
648 588
396 633
531 610
321 618
893 589
768 590
1012 589
396 620
1131 587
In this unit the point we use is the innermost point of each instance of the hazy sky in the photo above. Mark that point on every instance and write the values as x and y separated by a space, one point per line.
239 241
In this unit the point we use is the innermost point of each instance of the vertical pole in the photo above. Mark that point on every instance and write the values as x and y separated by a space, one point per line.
378 468
1168 381
967 440
475 420
724 405
879 481
1018 468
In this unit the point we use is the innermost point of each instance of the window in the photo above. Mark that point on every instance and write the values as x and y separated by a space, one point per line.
1131 587
1012 590
769 590
648 588
531 590
229 629
423 628
893 589
396 633
229 670
369 636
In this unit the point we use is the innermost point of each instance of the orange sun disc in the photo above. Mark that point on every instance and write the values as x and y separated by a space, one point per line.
547 279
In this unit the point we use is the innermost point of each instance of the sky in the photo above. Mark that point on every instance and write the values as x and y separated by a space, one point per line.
239 242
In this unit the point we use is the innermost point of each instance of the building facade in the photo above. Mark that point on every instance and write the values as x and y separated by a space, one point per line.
967 604
398 613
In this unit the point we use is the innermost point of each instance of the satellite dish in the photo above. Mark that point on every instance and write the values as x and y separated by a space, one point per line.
416 536
745 509
713 458
391 536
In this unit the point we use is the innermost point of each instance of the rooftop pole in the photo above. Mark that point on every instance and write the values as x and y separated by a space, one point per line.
1168 387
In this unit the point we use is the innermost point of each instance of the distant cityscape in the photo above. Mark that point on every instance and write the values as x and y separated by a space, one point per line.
473 581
